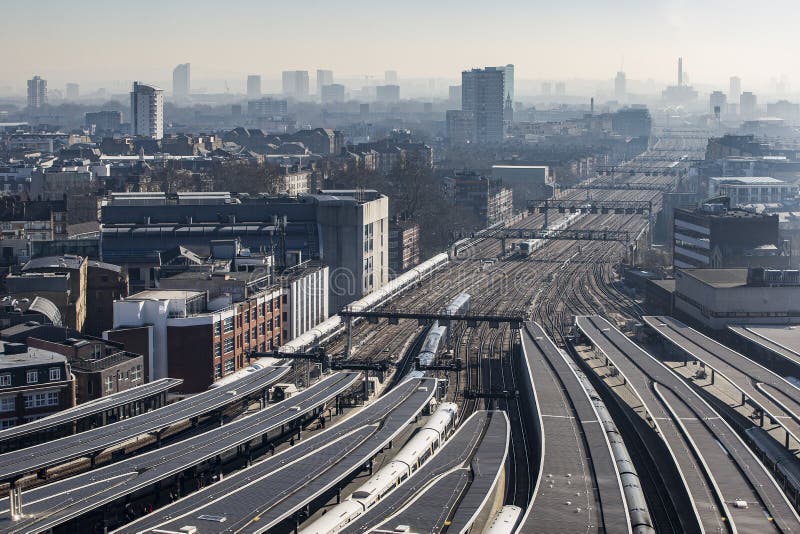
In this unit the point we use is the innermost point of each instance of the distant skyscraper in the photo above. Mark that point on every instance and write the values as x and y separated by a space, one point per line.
37 92
747 105
547 88
482 96
73 91
561 88
454 95
181 81
324 77
620 86
736 88
716 102
253 87
295 83
508 81
147 111
680 71
390 77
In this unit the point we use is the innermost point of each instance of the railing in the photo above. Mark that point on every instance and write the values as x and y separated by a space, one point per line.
102 363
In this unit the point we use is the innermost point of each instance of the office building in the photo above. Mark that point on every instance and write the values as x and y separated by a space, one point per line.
783 109
186 334
345 229
547 88
715 236
387 93
735 88
181 81
454 95
304 298
324 77
147 111
482 96
716 298
331 94
403 246
748 190
253 86
528 182
104 121
460 126
73 91
508 81
747 105
34 383
267 107
620 86
716 102
634 121
487 198
37 92
295 84
561 88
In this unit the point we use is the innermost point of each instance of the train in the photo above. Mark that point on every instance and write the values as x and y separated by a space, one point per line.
334 325
438 334
528 247
505 521
781 462
417 450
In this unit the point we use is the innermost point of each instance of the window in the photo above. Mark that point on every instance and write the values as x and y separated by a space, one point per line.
261 329
136 372
217 370
52 398
33 376
96 349
229 366
247 316
253 333
217 350
228 345
217 329
229 324
5 380
247 337
40 400
8 404
55 374
109 384
7 423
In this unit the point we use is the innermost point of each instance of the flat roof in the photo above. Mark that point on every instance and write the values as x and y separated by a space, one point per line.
33 356
748 180
164 294
67 261
718 278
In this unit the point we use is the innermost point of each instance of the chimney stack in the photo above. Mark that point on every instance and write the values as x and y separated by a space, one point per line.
680 71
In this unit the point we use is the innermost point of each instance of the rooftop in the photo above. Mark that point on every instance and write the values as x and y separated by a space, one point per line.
67 261
717 278
26 358
165 294
747 180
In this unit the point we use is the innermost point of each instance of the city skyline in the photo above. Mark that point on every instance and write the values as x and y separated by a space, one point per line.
543 43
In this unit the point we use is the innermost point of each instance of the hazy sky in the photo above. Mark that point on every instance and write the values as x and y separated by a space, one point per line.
91 41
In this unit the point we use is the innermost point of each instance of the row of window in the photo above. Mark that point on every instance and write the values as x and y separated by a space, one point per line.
40 400
32 377
227 324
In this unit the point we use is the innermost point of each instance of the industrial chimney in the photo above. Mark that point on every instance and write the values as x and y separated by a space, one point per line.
680 71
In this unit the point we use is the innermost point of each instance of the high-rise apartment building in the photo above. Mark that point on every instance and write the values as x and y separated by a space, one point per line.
147 111
482 95
620 86
561 88
324 77
747 105
295 83
390 77
716 102
181 82
253 87
508 81
37 92
73 91
736 88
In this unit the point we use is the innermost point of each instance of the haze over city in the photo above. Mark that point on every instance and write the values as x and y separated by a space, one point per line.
106 42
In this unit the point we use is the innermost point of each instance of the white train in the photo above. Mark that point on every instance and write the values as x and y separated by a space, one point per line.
504 521
418 449
528 247
335 325
433 342
459 305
